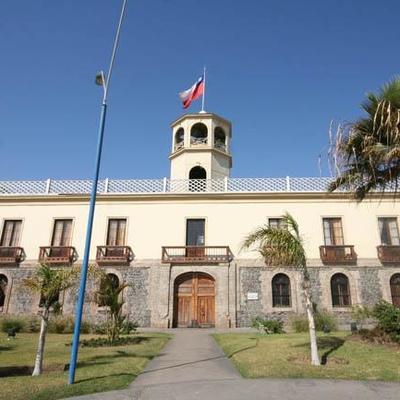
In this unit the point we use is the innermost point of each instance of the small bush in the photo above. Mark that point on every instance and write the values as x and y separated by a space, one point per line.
100 329
105 342
86 327
360 314
299 324
16 324
325 321
129 327
388 318
268 326
60 324
32 324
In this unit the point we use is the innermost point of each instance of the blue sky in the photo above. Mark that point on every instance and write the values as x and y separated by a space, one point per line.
279 70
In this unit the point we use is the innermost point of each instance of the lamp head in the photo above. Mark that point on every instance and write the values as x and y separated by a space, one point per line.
100 79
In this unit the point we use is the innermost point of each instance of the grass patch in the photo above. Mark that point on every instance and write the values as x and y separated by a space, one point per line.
99 369
288 356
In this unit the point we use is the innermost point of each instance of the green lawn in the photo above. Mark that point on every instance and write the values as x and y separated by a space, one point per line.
99 369
288 356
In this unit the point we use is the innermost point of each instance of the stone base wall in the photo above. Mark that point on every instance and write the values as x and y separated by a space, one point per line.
368 285
243 291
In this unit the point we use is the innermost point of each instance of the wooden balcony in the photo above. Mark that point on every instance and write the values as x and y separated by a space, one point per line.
114 255
338 254
389 254
57 255
11 255
196 254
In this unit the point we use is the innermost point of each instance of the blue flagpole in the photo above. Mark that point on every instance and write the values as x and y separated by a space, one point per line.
85 262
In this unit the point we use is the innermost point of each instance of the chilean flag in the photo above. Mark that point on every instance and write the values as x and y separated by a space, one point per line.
193 93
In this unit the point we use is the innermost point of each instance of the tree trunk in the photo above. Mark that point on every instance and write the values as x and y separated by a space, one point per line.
311 323
42 339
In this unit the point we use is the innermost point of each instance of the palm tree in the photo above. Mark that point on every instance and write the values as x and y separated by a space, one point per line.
367 152
282 246
110 295
49 282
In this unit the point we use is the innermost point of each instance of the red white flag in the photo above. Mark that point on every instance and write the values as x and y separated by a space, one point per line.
193 93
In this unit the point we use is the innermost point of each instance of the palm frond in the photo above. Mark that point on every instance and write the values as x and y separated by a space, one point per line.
280 246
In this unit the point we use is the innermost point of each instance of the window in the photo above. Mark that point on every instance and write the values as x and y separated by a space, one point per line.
281 291
62 232
195 232
275 223
340 291
333 233
61 238
3 290
108 284
389 231
395 289
116 234
11 233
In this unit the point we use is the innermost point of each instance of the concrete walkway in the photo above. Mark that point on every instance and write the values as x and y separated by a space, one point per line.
192 366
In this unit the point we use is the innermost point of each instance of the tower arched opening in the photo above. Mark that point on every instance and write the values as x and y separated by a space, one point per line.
179 138
198 134
219 138
197 179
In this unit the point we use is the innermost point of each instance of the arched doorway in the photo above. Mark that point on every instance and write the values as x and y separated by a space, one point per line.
194 301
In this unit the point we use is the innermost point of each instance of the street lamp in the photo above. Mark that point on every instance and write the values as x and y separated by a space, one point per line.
105 83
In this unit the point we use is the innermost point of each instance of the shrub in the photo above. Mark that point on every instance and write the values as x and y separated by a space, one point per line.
388 318
60 324
360 314
325 321
299 323
32 324
16 324
268 326
105 342
128 327
86 327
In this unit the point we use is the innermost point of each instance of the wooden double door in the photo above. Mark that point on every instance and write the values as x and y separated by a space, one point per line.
194 301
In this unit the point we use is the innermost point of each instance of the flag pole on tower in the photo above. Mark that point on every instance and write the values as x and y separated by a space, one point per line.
204 90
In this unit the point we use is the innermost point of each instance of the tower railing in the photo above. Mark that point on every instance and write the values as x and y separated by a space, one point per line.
159 186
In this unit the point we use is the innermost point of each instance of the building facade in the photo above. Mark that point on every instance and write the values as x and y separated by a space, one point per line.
176 242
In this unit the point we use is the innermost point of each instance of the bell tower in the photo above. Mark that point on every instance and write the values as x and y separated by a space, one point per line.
201 147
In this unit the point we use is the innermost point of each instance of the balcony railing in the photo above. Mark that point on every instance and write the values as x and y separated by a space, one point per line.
161 186
114 255
57 255
389 254
196 254
338 254
11 255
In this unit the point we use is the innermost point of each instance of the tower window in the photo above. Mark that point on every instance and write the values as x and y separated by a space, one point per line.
219 139
198 134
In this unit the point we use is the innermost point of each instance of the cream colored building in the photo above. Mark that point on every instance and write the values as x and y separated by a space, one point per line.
177 241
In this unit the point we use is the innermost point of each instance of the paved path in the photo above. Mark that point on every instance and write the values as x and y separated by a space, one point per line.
191 366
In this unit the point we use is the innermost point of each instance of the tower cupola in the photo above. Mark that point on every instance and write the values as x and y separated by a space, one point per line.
201 147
